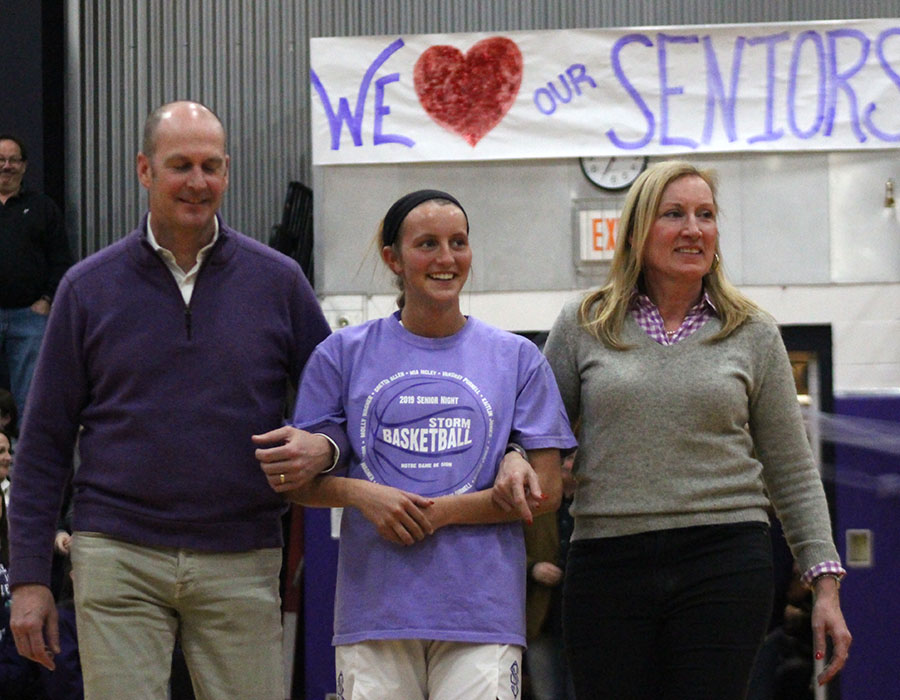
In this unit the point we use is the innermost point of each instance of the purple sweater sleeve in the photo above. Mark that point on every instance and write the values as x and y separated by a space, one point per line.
44 452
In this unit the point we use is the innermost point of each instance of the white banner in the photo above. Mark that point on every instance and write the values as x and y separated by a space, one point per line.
693 89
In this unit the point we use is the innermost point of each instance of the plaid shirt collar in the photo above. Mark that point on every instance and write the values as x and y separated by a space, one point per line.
647 316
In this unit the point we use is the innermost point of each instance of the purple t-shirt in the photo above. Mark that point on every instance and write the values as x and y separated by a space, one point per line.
432 416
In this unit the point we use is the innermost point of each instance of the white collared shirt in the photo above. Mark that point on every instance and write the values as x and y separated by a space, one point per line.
185 280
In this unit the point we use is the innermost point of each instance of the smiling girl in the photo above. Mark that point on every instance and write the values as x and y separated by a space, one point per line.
431 574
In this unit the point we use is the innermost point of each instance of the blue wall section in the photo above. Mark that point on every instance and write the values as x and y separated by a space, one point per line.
867 497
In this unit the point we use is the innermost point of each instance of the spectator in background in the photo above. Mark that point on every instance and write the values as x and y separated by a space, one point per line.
19 677
65 682
9 414
34 255
5 467
546 548
784 665
62 544
8 426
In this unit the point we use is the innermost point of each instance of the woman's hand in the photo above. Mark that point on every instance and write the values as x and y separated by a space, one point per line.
398 516
828 620
517 487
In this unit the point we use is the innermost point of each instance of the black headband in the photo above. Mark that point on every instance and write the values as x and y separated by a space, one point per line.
399 210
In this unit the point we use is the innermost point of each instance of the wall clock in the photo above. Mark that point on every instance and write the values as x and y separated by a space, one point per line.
613 172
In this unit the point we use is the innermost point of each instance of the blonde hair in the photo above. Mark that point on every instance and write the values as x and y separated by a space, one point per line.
603 311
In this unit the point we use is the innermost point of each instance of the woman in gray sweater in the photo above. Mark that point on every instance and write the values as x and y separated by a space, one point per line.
689 426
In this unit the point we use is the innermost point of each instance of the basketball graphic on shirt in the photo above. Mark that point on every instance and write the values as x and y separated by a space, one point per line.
426 431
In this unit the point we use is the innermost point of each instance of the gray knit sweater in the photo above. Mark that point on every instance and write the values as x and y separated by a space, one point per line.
689 434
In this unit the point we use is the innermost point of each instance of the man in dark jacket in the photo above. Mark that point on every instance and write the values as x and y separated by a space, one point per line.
34 254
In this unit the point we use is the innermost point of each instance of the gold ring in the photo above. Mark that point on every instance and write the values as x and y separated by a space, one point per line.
282 478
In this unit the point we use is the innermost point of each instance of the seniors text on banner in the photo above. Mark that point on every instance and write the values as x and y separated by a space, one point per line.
664 90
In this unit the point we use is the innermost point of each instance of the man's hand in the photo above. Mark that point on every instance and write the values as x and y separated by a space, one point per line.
294 458
517 487
34 623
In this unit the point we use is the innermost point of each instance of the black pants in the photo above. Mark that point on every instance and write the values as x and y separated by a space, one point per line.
673 614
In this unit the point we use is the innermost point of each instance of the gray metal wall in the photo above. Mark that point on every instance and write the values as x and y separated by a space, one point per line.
249 61
246 60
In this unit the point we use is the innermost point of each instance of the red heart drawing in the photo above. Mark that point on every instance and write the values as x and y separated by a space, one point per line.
469 95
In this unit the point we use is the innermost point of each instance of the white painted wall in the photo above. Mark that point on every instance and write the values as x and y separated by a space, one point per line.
865 321
807 236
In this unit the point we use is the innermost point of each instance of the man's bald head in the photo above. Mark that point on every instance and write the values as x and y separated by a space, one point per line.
162 114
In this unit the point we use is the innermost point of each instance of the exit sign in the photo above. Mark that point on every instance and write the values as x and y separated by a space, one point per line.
598 233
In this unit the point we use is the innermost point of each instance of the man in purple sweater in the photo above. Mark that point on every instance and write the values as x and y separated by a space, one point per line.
168 355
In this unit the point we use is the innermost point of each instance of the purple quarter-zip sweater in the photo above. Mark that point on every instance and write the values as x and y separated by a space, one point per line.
163 398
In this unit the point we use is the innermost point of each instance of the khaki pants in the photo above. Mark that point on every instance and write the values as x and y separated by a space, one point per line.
131 602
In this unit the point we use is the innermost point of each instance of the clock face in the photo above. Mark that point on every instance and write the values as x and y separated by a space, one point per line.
613 173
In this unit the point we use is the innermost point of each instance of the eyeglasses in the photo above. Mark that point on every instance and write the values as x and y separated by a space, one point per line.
12 161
